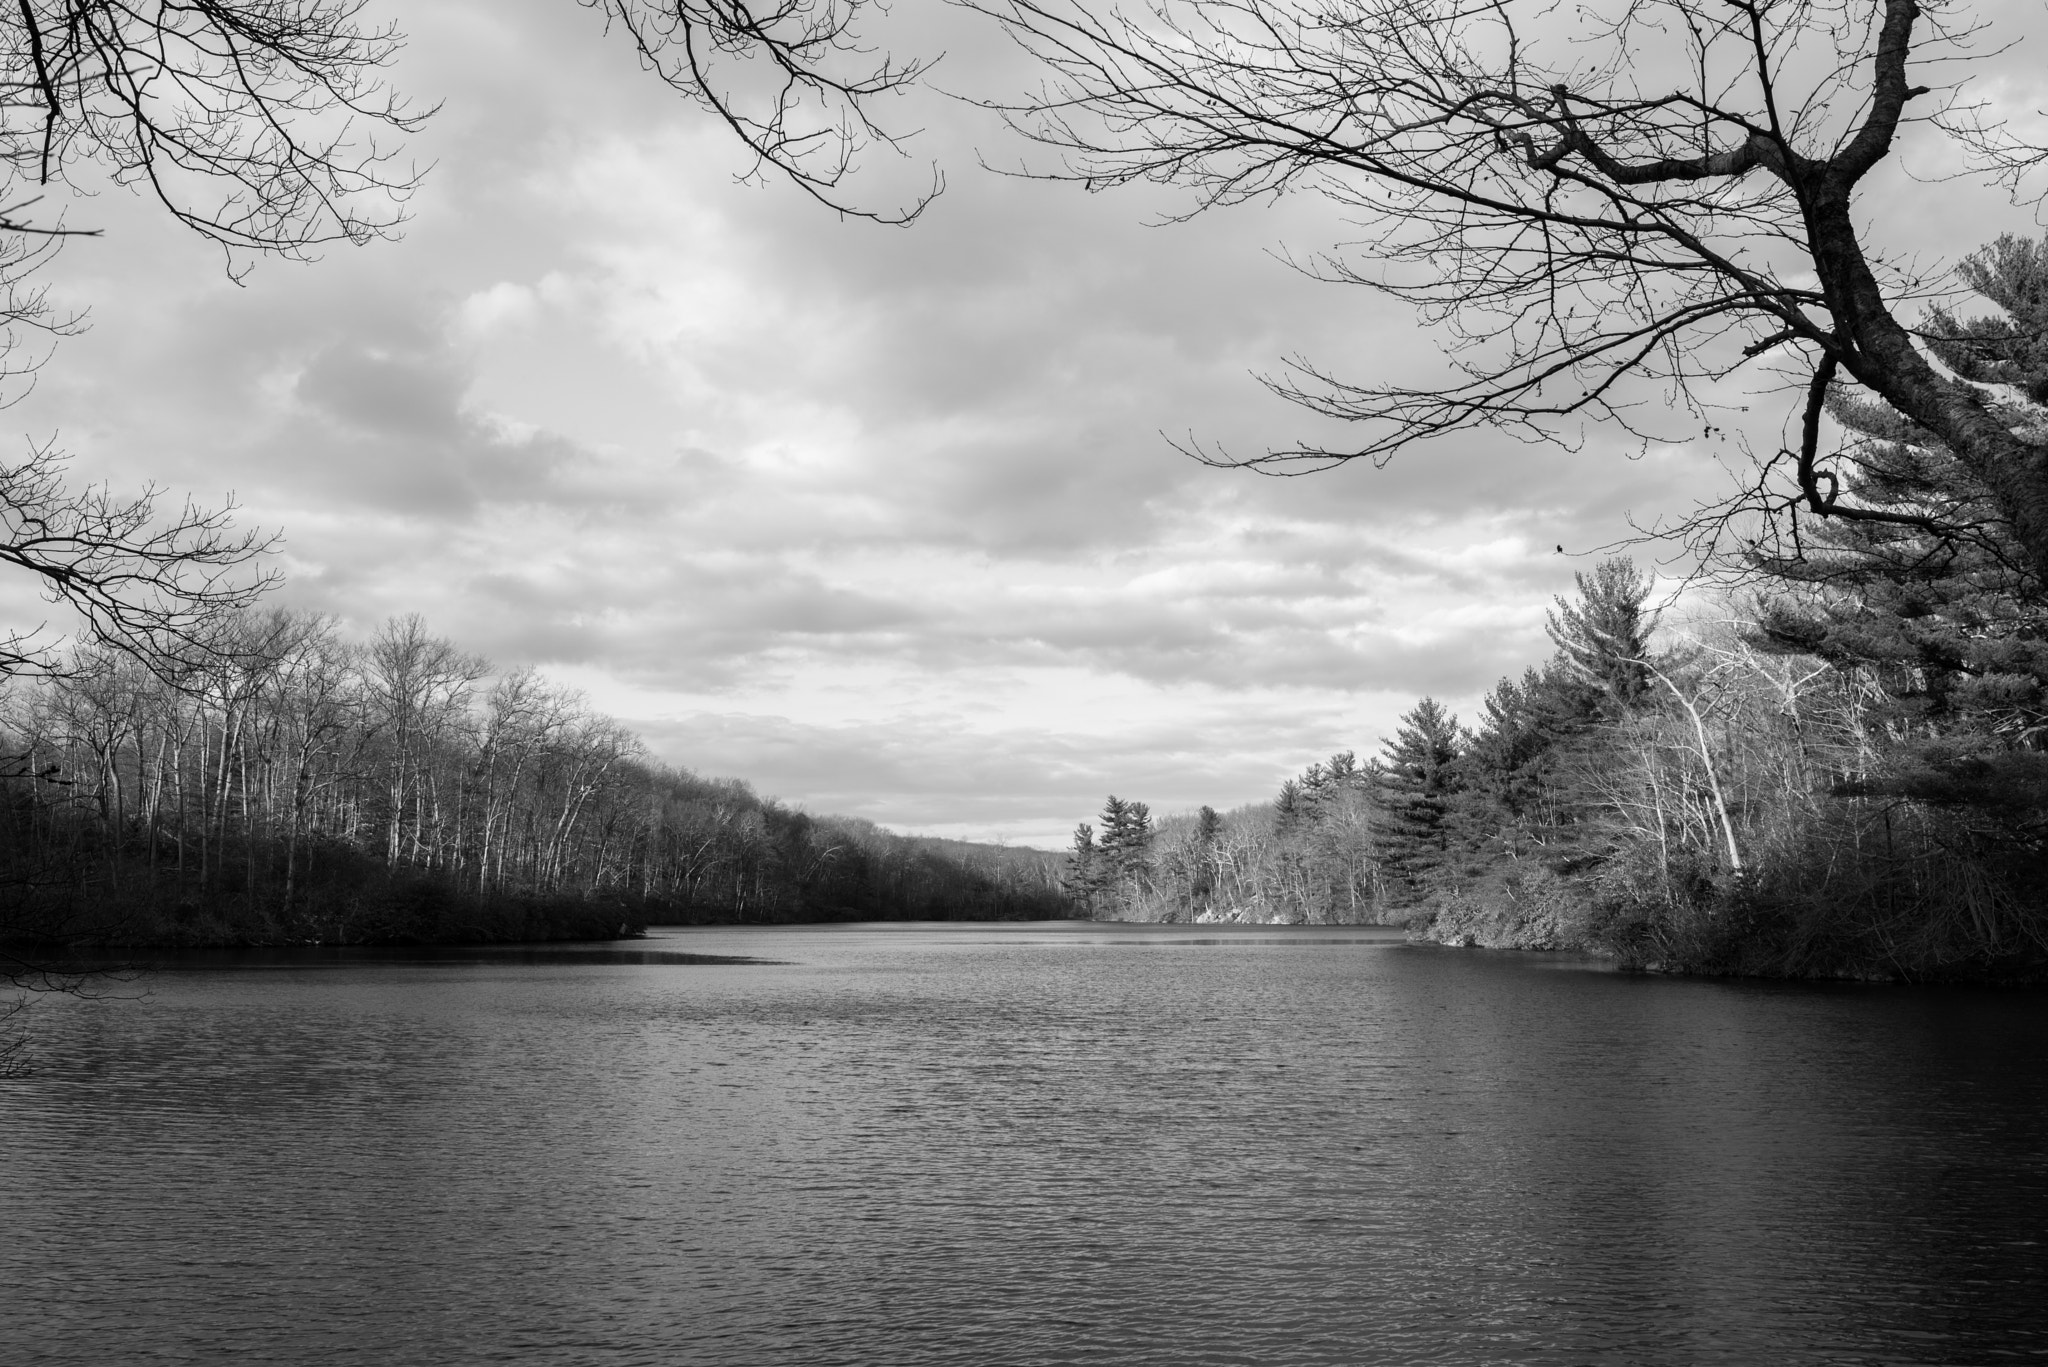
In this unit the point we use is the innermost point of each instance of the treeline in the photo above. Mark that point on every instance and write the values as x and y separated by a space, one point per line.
1845 776
1311 856
290 785
1723 800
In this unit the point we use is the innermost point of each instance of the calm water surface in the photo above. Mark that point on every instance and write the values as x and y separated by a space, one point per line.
995 1145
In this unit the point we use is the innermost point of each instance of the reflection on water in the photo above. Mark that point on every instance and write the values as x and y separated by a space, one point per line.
361 956
1012 1144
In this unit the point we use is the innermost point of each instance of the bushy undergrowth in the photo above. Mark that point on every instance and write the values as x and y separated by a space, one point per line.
1897 892
1522 907
1903 893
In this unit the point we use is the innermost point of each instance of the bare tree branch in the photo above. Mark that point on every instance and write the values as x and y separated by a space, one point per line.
1607 210
792 81
151 586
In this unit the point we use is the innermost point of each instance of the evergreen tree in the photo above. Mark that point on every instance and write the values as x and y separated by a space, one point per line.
1083 874
1290 809
1202 883
1543 736
1602 641
1124 853
1420 781
1504 762
1921 583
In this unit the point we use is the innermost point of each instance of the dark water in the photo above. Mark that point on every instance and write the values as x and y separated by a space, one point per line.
1005 1145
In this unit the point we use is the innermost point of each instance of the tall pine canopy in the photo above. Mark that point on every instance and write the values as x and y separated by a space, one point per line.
1540 736
1603 639
1918 579
1419 783
1083 875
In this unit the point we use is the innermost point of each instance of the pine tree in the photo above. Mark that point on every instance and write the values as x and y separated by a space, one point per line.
1124 853
1083 879
1541 736
1202 883
1942 609
1603 641
1508 798
1290 809
1503 761
1343 770
1420 781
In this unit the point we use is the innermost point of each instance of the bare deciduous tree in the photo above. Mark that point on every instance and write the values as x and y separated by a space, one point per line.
1584 199
144 584
267 127
792 79
252 123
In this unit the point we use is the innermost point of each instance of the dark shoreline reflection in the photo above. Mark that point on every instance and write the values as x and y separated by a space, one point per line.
1003 1145
357 956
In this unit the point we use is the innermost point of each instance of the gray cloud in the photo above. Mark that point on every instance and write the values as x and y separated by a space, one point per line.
1031 787
888 521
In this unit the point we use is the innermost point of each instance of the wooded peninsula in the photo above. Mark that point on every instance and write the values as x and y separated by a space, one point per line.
1840 774
1732 803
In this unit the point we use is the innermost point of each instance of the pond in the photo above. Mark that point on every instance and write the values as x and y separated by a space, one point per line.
1000 1144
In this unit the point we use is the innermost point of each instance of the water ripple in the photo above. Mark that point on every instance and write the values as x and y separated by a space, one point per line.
1005 1146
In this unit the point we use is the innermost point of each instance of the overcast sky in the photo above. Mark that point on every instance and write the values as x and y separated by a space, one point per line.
882 520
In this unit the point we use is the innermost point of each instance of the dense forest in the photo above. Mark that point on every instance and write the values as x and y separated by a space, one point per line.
1842 773
289 785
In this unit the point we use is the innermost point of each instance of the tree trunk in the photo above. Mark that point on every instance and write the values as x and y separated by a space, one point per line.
1876 349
